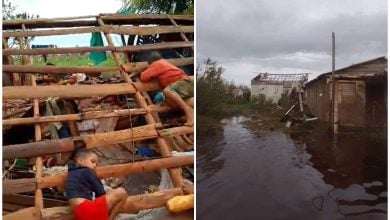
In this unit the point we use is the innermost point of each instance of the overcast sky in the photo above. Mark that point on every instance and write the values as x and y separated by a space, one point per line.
66 8
289 36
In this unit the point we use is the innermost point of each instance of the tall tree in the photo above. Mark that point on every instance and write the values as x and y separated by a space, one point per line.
159 6
10 13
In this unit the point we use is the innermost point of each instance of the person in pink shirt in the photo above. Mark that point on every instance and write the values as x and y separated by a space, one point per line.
178 87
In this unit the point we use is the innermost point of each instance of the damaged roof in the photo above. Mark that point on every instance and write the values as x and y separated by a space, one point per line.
279 78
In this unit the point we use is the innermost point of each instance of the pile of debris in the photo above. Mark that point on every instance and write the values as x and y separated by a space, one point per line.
106 109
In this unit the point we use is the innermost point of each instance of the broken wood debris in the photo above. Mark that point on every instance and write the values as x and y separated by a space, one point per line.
87 99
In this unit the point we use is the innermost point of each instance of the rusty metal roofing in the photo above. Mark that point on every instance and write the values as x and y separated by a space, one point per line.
280 78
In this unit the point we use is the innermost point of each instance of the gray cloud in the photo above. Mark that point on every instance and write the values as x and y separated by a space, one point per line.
289 36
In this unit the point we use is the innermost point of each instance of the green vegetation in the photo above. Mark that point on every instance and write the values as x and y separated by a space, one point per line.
216 98
159 6
71 60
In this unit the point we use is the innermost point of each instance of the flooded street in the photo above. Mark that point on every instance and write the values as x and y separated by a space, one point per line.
263 174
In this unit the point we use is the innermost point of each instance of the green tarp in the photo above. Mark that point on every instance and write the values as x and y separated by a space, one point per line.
97 40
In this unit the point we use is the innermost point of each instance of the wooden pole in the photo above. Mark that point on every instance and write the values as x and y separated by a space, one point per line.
85 115
141 66
130 48
175 174
183 36
75 91
91 141
133 204
111 29
118 170
38 163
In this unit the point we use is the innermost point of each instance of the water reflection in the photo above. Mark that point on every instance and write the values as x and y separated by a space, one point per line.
208 150
247 174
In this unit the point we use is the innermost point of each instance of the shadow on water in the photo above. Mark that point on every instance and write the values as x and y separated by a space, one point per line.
249 174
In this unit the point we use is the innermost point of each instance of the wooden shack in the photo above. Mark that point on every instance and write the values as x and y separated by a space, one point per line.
361 91
26 87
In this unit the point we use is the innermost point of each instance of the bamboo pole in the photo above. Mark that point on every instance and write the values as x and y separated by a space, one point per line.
141 66
130 48
133 204
122 170
112 29
93 71
75 91
85 115
183 36
38 163
91 141
175 174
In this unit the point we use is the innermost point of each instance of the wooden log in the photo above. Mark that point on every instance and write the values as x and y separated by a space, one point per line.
122 170
132 48
91 141
18 186
56 22
133 204
85 115
75 91
175 131
23 200
175 174
92 71
112 29
67 144
28 213
141 66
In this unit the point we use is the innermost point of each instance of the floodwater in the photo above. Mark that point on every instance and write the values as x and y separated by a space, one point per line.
246 174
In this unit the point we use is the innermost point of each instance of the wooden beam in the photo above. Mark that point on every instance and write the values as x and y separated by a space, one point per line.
85 115
133 204
75 91
132 48
18 185
92 71
28 213
67 144
141 66
23 200
91 141
112 29
122 170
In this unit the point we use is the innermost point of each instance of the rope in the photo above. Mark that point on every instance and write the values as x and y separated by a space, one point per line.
131 127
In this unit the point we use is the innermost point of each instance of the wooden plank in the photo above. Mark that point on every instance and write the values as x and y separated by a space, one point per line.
56 22
112 29
85 115
141 66
131 48
29 213
75 91
23 200
18 186
123 170
59 180
133 204
92 71
67 144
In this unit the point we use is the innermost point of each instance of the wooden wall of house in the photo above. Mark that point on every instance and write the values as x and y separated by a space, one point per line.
351 97
376 104
317 99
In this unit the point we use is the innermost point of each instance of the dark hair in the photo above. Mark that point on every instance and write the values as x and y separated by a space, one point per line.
153 56
81 154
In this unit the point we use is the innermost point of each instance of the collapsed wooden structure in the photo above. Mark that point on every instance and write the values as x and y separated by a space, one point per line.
20 83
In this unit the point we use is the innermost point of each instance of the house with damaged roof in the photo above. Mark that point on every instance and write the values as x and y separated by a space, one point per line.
361 94
272 86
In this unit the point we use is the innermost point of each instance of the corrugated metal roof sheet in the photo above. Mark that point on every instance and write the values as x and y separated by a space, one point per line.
280 78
